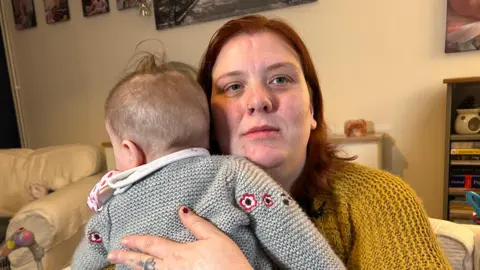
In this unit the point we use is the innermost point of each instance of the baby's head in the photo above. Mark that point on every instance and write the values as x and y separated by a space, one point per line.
154 111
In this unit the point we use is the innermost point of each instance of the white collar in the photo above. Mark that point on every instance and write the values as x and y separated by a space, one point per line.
122 181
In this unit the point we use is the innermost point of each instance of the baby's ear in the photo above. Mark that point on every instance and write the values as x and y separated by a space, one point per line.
136 155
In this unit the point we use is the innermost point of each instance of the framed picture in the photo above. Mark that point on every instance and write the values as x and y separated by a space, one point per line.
172 13
24 14
126 4
56 11
95 7
463 26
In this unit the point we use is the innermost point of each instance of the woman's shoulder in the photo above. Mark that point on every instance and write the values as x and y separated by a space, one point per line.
353 179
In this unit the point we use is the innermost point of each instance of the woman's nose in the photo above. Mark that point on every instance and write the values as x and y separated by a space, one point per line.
259 100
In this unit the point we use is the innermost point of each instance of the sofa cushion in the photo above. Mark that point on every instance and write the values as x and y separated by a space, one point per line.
58 166
24 170
13 176
456 241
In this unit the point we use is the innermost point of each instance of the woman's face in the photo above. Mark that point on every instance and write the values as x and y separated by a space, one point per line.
260 101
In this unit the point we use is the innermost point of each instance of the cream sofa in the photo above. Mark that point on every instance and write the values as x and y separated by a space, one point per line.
460 242
56 219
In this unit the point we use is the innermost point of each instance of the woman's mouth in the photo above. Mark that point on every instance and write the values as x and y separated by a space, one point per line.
262 132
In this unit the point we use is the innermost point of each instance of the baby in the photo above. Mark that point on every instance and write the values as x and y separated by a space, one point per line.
158 121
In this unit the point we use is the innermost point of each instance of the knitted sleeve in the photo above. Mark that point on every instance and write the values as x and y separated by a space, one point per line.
91 253
381 223
285 232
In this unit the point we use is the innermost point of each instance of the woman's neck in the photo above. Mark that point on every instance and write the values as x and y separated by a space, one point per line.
287 172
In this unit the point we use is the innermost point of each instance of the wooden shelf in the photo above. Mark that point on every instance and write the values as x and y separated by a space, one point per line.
462 80
462 191
464 163
341 139
461 137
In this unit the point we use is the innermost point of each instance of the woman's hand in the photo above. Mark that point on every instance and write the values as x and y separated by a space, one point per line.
213 250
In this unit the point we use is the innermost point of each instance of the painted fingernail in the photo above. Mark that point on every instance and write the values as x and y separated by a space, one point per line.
185 210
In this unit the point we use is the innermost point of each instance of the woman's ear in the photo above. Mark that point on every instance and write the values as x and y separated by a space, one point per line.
313 124
135 154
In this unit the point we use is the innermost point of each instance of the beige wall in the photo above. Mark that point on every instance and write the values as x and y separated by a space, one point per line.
379 60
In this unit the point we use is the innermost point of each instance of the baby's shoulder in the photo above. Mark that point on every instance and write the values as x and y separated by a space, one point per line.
233 161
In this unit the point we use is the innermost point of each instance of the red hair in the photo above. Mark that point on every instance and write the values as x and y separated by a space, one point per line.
321 155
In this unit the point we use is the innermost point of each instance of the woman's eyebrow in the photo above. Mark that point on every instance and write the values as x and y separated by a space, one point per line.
268 68
281 65
230 74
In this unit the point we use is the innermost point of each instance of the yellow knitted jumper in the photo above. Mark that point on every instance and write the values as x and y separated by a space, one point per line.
373 220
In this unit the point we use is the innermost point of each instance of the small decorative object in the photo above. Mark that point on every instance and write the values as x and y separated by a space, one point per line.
463 26
24 14
95 7
144 8
355 128
38 191
184 12
23 238
468 119
56 11
126 4
474 200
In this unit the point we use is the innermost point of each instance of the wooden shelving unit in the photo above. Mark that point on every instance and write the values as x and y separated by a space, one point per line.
461 171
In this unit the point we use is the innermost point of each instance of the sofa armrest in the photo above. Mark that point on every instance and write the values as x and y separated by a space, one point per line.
456 241
53 219
476 251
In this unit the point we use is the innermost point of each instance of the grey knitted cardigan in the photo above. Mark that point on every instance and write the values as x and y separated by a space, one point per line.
238 197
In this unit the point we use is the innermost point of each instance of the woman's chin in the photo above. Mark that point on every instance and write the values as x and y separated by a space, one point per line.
265 157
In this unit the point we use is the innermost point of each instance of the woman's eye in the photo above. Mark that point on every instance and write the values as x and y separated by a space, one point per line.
233 87
281 80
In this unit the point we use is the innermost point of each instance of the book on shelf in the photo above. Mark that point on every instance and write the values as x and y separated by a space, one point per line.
461 213
467 181
459 208
459 202
465 151
465 157
465 145
461 191
472 170
465 162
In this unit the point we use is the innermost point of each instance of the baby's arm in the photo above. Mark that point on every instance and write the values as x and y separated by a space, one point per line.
283 229
91 254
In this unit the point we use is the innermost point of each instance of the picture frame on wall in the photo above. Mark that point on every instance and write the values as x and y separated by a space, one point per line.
170 13
462 26
126 4
56 11
24 14
95 7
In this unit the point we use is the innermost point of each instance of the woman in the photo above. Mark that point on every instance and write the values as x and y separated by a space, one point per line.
266 105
